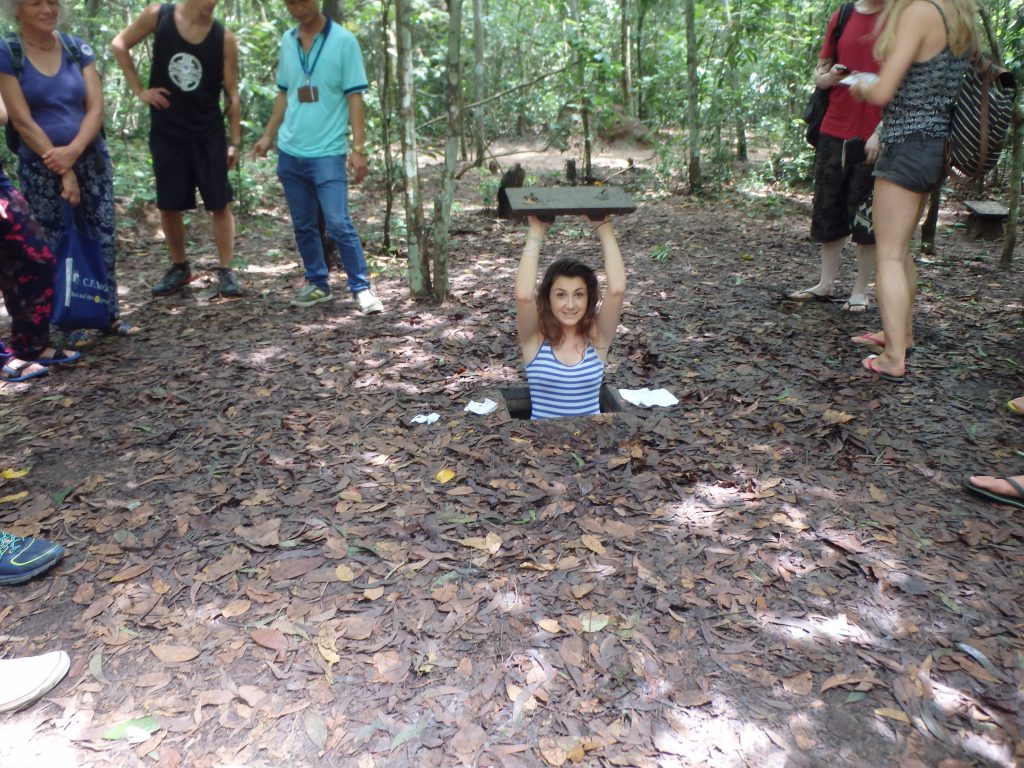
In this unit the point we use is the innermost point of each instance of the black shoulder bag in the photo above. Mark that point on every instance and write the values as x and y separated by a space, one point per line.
814 112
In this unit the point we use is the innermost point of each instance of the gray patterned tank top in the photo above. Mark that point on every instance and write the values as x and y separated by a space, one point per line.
923 104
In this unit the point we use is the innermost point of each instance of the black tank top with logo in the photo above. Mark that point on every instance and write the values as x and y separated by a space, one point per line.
194 75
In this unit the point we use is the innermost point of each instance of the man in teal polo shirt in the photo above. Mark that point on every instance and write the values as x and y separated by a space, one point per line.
321 81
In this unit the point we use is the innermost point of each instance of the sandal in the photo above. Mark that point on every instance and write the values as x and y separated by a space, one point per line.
121 328
59 357
855 307
83 338
808 295
18 370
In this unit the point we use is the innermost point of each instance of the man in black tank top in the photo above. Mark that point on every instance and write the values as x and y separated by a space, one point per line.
194 60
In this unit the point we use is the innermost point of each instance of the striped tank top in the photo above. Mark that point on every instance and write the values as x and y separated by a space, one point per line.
557 389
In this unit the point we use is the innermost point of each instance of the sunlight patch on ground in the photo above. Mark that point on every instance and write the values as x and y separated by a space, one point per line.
21 744
271 269
836 629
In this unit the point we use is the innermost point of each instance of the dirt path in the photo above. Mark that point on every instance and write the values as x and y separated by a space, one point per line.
266 558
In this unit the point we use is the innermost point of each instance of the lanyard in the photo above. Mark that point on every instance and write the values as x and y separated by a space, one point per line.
321 37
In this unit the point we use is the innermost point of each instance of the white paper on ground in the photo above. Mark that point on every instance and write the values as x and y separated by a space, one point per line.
426 418
481 409
647 398
859 77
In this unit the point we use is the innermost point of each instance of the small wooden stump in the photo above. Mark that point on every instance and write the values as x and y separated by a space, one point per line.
517 401
549 202
986 218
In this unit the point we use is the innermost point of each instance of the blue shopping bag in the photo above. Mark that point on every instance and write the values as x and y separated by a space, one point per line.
81 292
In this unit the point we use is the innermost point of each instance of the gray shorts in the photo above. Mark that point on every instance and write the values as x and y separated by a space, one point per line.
917 163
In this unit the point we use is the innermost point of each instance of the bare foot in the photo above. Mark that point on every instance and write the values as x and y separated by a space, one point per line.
876 339
998 485
885 367
1016 405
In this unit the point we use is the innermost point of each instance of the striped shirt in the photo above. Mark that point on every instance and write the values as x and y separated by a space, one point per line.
557 389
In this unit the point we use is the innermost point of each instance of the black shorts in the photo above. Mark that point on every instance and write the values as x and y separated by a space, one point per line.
842 184
917 163
181 167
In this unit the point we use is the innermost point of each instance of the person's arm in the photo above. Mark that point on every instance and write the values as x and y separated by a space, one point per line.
128 38
3 113
358 165
615 289
527 315
266 142
234 109
912 28
60 160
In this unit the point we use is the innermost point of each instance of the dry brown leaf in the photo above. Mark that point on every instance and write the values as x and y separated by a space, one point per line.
801 684
236 608
130 572
172 654
593 543
550 625
265 534
893 714
293 568
344 573
270 638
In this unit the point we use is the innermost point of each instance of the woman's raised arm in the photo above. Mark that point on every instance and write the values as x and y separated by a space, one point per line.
527 316
615 290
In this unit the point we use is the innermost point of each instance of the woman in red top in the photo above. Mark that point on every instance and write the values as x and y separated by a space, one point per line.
845 155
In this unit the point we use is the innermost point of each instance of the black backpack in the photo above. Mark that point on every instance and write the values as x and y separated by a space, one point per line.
814 112
17 52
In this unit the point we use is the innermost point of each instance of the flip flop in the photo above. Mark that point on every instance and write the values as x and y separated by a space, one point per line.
869 364
809 295
1013 408
855 307
121 328
12 372
60 357
1014 501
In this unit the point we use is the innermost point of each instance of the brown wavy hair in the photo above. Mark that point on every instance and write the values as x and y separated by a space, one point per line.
549 326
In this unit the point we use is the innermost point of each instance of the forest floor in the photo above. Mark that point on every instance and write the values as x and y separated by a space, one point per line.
269 565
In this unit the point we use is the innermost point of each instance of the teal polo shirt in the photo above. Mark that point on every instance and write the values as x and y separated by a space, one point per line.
319 128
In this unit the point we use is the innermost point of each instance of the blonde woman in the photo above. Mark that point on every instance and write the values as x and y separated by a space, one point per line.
924 45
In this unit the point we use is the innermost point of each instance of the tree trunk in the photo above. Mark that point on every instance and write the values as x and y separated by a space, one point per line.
581 82
387 102
1016 177
443 201
638 94
480 141
626 45
693 95
419 262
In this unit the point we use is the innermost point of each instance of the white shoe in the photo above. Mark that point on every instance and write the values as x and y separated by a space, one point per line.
28 678
369 304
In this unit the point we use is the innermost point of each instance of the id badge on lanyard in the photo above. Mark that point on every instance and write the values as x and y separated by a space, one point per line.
309 93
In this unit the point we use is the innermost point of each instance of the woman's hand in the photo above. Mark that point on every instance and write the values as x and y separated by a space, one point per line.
872 147
538 228
60 160
69 188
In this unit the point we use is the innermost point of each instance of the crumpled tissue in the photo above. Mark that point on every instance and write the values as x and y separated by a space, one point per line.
646 398
426 418
481 409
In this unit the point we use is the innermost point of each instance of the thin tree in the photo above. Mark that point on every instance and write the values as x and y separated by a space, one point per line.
419 263
443 200
479 69
693 98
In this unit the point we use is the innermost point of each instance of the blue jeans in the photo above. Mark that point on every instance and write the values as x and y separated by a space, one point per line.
312 184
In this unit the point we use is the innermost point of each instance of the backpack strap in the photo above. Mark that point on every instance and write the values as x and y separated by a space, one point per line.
17 52
166 11
844 16
71 46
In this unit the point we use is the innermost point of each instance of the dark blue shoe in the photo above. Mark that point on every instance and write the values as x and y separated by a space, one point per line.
23 558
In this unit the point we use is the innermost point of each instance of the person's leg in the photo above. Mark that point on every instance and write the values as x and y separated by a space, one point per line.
865 270
224 235
896 212
28 276
173 225
829 219
96 181
332 192
859 211
301 195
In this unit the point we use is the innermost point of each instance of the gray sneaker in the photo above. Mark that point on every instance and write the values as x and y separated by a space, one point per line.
368 302
177 276
311 294
229 283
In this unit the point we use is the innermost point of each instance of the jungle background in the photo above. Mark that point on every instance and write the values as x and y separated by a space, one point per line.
269 564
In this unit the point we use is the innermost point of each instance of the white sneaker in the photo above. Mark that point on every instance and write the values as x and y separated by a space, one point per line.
28 678
369 304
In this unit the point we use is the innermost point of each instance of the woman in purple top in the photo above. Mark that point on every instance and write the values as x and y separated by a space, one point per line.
53 94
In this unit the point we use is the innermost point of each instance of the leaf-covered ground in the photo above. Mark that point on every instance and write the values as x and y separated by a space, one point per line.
268 565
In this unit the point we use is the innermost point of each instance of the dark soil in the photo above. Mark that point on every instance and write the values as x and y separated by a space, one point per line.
269 560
